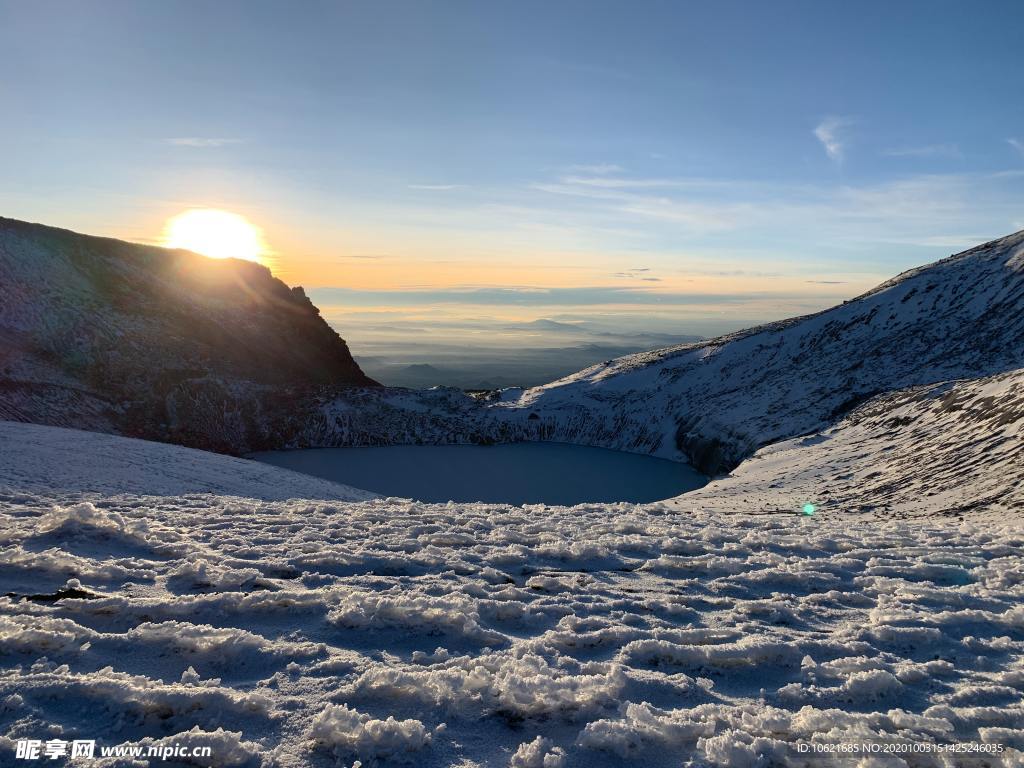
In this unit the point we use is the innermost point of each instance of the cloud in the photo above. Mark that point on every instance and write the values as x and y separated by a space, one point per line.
605 183
622 194
928 150
684 221
598 169
634 273
330 297
952 210
201 142
828 133
1017 144
436 187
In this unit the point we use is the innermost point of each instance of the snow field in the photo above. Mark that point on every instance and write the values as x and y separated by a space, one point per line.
318 633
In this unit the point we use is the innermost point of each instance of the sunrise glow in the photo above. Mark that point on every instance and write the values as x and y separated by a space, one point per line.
215 233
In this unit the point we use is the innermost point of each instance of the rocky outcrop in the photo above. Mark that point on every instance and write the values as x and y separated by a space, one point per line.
167 345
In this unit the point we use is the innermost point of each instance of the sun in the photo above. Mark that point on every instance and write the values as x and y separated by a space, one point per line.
215 233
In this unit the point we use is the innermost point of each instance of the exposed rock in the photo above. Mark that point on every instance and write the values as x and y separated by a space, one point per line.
168 345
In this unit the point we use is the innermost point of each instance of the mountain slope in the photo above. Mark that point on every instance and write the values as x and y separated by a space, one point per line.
170 345
37 459
716 402
955 448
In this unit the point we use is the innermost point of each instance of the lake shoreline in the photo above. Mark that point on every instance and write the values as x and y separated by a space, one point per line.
513 473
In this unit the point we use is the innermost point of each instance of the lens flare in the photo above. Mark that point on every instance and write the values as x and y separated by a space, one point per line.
215 233
809 509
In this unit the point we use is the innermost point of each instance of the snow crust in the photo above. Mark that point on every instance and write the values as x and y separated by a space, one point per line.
351 732
320 632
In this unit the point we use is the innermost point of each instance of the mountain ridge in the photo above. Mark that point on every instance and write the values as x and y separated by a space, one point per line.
960 317
150 342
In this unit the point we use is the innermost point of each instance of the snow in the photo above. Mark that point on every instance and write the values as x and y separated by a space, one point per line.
143 468
306 624
539 753
715 402
354 733
952 450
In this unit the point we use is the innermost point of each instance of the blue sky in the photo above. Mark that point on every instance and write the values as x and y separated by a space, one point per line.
796 150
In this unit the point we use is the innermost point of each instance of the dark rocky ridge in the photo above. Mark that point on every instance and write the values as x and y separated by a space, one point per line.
101 334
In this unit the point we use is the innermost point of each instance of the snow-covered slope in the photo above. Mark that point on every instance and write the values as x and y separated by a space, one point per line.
951 449
47 460
317 633
716 402
101 334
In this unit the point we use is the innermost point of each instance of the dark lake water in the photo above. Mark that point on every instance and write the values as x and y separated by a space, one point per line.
518 473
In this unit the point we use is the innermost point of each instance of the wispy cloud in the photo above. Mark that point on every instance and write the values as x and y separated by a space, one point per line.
598 169
1017 144
629 197
930 210
329 297
436 187
573 231
636 273
201 142
927 150
829 133
620 183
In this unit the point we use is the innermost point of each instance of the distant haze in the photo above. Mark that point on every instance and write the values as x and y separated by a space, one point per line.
491 354
475 346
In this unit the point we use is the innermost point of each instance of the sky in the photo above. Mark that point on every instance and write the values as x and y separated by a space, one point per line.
678 167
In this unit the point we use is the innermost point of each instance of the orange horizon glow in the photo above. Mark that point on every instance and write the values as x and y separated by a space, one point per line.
418 274
363 259
215 233
394 261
